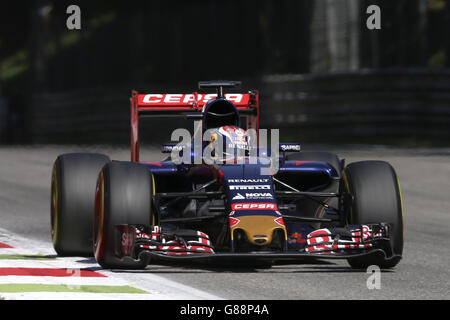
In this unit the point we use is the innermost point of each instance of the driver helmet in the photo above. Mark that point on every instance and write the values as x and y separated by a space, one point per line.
235 142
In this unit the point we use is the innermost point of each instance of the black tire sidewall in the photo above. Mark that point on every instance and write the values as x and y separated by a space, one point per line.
128 189
376 198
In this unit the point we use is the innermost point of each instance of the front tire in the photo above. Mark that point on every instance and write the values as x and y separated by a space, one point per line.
123 196
376 198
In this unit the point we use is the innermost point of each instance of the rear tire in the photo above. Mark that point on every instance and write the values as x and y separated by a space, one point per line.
74 177
377 198
123 196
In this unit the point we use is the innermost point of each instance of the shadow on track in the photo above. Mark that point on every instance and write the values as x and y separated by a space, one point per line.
318 266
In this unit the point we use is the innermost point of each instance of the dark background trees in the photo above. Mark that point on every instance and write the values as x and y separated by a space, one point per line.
171 44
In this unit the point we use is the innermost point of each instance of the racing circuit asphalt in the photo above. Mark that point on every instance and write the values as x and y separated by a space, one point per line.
423 273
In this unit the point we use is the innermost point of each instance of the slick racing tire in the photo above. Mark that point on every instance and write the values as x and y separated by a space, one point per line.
376 198
74 177
123 196
331 158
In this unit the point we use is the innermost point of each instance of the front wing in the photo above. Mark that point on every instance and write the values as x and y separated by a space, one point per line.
134 244
300 257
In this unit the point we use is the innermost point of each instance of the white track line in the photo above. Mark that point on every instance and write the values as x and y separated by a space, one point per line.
70 281
80 296
50 263
158 288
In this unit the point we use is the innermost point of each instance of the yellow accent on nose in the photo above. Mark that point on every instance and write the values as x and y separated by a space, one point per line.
259 228
401 204
54 205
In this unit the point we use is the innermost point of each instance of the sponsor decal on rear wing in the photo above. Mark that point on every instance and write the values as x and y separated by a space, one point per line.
187 105
189 100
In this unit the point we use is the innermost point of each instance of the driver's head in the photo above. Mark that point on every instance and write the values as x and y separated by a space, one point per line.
232 142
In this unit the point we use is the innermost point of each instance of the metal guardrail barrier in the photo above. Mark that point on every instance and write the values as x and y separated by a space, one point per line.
385 106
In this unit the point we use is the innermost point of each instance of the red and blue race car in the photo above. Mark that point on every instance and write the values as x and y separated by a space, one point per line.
223 197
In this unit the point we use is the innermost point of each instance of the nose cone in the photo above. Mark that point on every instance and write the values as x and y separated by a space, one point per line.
258 229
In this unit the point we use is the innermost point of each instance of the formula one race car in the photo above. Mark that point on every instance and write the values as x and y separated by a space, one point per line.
225 196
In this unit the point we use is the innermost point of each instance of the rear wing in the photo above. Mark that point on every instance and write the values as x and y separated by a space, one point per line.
185 105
